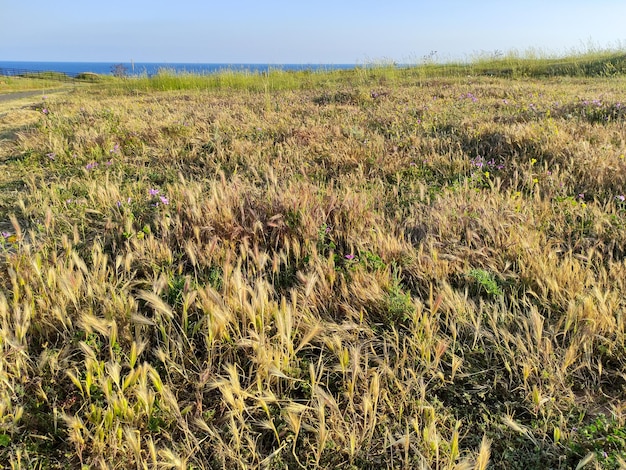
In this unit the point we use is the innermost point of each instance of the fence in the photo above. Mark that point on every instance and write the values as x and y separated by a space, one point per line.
40 74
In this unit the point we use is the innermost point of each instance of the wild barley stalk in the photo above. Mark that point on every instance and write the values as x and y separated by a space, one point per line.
363 273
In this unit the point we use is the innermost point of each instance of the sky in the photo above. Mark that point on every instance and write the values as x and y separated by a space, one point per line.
314 32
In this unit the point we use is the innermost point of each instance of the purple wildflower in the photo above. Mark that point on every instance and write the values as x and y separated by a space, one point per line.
164 200
478 162
51 155
44 110
621 198
91 165
5 234
349 256
153 192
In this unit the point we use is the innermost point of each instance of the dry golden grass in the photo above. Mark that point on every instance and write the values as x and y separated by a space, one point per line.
392 274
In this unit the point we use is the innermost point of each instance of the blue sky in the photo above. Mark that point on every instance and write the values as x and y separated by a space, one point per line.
244 31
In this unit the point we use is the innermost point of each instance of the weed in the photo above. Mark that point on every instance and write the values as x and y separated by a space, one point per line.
486 282
605 437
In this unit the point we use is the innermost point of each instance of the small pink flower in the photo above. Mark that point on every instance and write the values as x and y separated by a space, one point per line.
164 200
349 257
153 192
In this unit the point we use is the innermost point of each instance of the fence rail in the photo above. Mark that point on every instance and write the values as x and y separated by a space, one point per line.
40 74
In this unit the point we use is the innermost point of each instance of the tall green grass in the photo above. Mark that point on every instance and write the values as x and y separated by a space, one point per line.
234 79
536 64
531 64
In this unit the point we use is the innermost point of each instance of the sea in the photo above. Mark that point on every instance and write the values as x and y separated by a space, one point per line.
150 68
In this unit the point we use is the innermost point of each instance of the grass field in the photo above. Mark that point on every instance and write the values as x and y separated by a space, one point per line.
418 268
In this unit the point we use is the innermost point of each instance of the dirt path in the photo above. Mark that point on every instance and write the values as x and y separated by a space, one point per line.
17 95
16 113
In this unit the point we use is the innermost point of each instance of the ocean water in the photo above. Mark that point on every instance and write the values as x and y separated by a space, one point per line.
151 68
